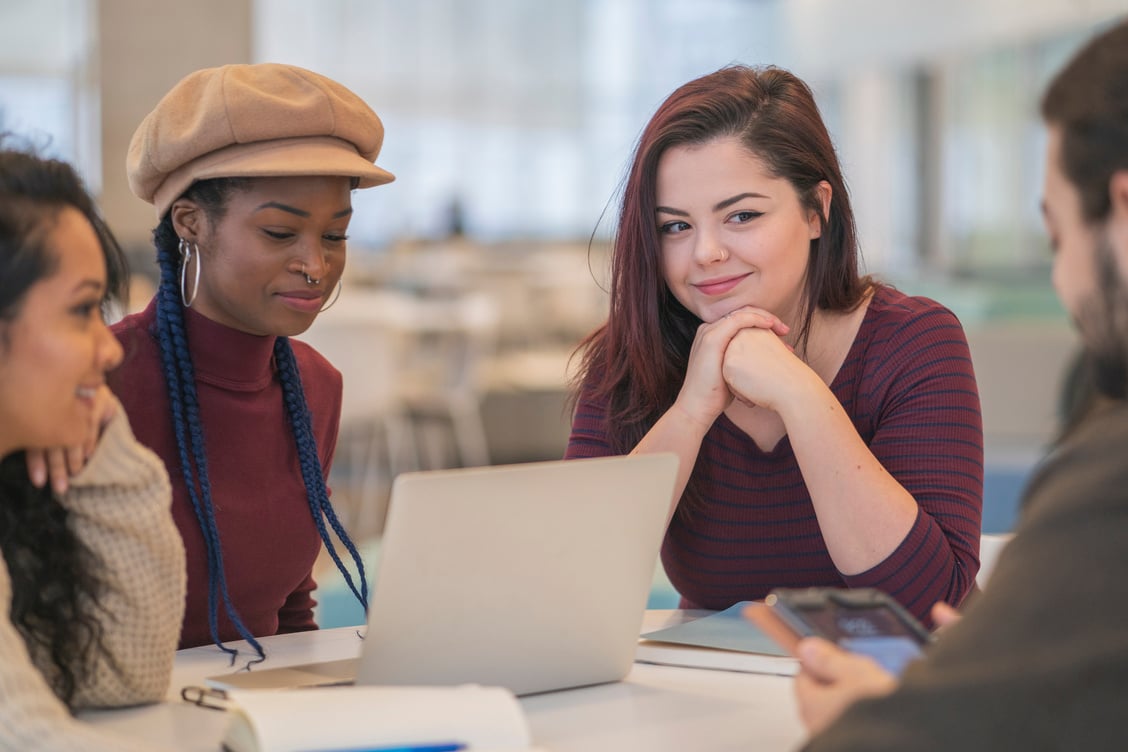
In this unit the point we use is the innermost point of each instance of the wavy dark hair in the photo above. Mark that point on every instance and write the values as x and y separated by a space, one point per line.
55 587
636 361
1088 101
213 196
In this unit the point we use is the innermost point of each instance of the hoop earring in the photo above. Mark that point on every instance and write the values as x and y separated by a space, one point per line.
186 254
340 284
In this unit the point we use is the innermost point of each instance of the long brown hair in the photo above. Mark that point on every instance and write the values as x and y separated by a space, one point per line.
636 361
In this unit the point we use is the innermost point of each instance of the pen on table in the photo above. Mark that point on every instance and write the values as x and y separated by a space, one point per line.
439 747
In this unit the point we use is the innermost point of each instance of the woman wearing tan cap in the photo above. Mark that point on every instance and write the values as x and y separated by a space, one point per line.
250 168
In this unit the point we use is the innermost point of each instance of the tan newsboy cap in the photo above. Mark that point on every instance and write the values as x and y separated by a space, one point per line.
262 120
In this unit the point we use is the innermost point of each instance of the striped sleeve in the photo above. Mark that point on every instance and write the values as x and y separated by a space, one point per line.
909 387
918 399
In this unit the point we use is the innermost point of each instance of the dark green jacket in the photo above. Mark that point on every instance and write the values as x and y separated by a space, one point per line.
1040 660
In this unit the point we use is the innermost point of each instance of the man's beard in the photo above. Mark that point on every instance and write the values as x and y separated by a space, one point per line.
1103 324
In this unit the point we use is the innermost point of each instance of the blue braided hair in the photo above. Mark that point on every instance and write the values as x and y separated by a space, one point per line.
294 397
176 362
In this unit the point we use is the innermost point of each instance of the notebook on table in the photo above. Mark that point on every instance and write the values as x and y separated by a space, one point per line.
532 577
724 640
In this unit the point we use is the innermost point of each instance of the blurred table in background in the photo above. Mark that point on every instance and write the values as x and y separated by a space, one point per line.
533 304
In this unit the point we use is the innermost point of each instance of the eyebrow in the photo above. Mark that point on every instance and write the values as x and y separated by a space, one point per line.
96 284
299 212
718 207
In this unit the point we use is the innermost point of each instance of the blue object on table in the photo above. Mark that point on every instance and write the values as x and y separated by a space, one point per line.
723 630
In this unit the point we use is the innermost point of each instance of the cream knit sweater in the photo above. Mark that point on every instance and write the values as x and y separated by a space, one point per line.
119 507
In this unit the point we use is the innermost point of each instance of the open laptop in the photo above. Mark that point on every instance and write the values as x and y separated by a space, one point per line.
532 577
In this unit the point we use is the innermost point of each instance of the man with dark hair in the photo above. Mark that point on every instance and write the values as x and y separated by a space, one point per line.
1041 660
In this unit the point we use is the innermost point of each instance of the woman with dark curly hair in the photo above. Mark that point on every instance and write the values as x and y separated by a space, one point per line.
92 578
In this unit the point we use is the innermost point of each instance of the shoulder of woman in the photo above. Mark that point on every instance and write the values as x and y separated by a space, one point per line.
309 359
142 322
889 307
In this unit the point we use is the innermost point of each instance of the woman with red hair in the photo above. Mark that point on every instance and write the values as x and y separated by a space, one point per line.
828 425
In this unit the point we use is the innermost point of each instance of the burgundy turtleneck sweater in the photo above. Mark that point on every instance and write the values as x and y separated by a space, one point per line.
267 534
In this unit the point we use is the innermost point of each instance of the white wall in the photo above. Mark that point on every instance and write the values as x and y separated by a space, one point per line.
832 37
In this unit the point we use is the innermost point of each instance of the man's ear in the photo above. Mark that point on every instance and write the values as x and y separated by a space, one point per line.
823 193
188 219
1118 215
1118 191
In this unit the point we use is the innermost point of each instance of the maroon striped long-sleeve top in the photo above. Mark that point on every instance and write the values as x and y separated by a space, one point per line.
909 387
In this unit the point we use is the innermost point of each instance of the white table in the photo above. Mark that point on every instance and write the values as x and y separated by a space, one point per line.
655 708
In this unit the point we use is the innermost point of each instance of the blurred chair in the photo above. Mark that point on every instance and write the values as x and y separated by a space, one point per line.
362 336
442 383
567 301
413 389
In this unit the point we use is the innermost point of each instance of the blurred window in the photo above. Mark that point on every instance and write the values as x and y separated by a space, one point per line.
47 92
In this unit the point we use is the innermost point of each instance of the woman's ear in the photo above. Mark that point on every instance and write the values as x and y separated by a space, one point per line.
823 194
187 219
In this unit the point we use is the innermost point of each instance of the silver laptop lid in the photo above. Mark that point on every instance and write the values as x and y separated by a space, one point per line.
533 577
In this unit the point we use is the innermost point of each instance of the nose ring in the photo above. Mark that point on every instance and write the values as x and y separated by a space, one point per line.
309 280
